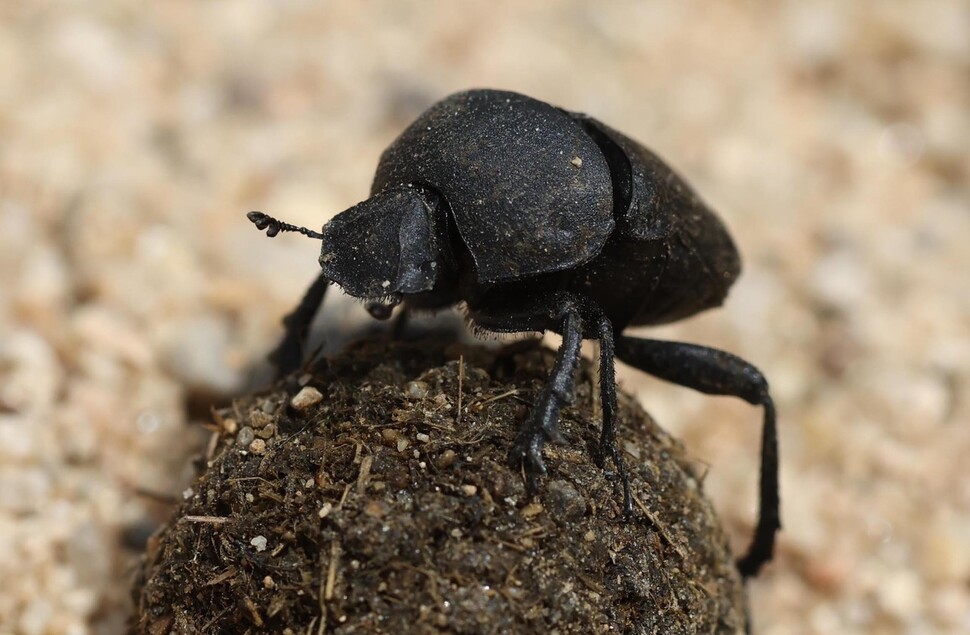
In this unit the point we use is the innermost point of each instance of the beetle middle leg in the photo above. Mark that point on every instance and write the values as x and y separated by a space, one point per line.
715 372
607 445
543 425
288 354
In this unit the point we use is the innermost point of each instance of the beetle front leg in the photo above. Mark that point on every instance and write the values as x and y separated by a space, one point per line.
543 425
400 325
288 354
715 372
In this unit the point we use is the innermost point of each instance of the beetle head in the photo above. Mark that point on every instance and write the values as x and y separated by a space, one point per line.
386 246
380 249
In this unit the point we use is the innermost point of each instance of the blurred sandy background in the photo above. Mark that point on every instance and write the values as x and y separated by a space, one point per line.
832 136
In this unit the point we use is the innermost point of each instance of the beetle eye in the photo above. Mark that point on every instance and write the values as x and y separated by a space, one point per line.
382 310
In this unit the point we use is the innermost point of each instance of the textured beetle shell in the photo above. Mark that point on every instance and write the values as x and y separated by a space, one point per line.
529 189
371 253
669 249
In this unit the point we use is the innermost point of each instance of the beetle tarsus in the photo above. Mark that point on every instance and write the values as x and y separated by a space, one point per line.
762 545
526 455
543 425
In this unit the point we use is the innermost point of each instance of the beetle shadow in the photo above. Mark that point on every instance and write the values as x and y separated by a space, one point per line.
334 332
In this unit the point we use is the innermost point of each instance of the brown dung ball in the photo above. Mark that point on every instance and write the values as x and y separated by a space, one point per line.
373 496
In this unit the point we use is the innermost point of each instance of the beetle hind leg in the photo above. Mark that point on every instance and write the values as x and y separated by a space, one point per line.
715 372
543 425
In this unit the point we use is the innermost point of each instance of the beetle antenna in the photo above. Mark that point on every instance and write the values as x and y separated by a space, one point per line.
273 226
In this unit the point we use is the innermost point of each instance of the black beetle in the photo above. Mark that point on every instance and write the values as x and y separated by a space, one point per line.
537 218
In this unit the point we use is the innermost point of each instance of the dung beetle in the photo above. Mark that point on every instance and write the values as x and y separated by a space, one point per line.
541 219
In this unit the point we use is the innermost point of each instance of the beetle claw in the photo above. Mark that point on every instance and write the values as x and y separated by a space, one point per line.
598 455
552 433
526 455
607 449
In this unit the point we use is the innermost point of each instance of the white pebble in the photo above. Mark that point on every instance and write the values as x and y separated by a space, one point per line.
306 398
900 595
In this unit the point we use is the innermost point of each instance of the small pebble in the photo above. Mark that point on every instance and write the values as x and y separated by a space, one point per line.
564 500
325 510
900 594
827 572
268 582
258 446
260 419
530 510
376 509
470 490
423 438
306 398
259 542
417 389
267 432
446 459
245 436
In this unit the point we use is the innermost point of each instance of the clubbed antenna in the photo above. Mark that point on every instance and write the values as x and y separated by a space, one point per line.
273 226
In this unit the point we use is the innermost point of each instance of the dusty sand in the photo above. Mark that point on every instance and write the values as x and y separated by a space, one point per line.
833 138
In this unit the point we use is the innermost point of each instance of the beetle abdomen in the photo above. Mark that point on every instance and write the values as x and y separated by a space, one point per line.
700 265
529 189
670 251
